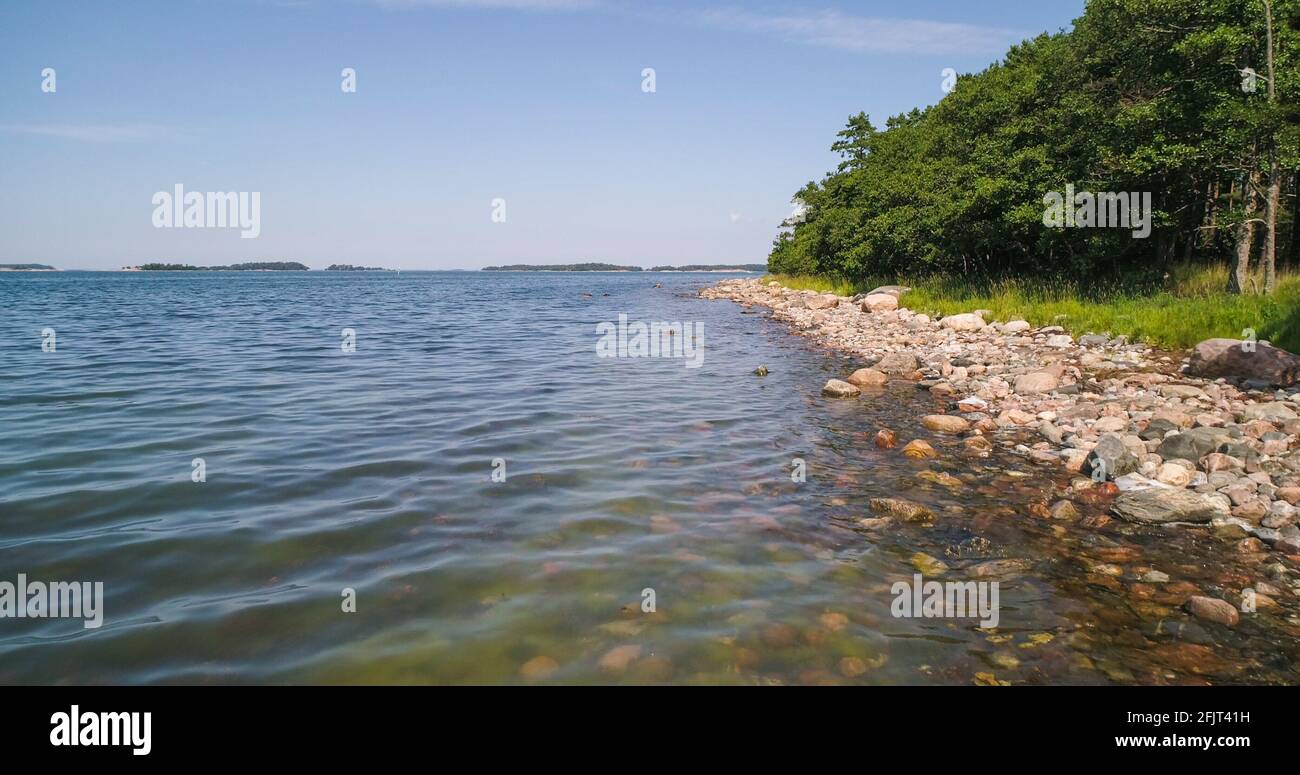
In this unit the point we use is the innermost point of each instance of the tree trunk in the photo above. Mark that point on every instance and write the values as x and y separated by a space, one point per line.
1293 249
1274 170
1245 237
1270 241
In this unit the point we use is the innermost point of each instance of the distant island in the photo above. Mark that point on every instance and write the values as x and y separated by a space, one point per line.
252 266
27 268
711 268
596 267
562 268
351 268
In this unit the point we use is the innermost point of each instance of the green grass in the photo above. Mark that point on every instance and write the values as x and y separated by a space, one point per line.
1182 309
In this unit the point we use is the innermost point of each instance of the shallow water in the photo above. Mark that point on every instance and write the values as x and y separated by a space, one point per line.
373 471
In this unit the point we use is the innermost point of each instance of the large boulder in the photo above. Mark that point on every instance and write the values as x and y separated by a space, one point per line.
946 423
868 378
1036 382
823 301
1193 444
892 290
1216 358
898 363
1158 505
967 321
837 388
879 302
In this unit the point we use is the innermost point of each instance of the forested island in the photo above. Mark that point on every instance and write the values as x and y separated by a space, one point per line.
596 267
711 268
252 266
591 267
27 268
1138 174
351 268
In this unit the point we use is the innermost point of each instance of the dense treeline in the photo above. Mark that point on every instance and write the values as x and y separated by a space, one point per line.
252 266
1185 99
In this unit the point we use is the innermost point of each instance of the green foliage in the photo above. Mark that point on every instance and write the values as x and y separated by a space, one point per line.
1141 96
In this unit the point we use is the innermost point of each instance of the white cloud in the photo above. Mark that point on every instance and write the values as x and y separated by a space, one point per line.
90 133
871 35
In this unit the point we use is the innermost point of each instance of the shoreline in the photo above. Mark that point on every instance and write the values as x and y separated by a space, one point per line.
1152 443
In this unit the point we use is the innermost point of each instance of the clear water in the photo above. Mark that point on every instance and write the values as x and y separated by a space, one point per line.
373 471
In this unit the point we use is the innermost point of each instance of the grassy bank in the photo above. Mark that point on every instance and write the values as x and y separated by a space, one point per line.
1187 306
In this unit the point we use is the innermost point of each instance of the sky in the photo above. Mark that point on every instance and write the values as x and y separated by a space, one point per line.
458 105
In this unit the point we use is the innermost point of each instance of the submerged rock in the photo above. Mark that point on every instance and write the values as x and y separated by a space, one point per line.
868 378
946 423
838 388
906 510
919 450
1213 610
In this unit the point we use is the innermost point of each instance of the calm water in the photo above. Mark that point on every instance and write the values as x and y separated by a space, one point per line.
373 471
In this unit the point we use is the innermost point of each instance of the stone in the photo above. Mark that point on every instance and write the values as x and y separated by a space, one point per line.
1059 340
1016 326
919 450
1212 609
539 668
967 321
1111 458
823 301
617 659
906 510
1157 506
886 439
879 302
1215 358
1064 509
1174 475
868 378
898 363
892 290
1110 425
1036 382
1191 445
1272 411
838 388
946 423
1181 391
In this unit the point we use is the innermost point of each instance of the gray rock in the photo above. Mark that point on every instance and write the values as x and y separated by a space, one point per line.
1112 456
1214 358
898 363
1271 411
1159 505
1193 444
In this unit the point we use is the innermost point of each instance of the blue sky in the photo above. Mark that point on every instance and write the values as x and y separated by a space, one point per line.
458 103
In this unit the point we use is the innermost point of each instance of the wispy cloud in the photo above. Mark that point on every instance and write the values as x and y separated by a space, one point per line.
866 34
91 133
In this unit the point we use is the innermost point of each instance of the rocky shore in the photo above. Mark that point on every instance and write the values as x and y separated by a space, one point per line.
1209 440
